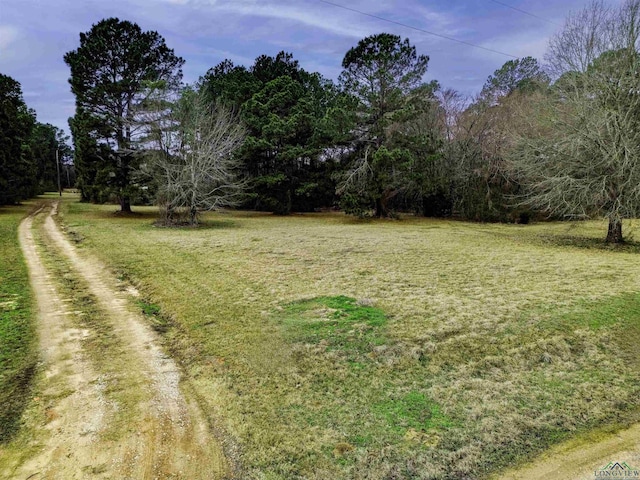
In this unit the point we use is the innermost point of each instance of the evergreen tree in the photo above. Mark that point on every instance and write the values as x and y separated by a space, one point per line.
18 171
380 73
285 110
111 74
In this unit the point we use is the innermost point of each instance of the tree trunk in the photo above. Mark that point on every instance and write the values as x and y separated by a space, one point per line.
614 235
382 203
125 205
289 201
379 208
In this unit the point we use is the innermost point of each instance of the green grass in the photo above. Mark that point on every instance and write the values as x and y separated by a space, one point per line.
159 322
333 348
413 411
342 323
149 309
18 349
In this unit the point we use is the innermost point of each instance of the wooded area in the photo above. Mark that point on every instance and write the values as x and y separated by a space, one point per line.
32 154
547 141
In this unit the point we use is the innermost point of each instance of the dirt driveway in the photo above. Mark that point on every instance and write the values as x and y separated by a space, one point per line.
118 412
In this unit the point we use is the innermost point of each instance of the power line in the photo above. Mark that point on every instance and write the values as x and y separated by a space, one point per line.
418 29
525 12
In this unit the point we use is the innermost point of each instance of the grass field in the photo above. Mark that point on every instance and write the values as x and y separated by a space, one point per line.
333 348
18 348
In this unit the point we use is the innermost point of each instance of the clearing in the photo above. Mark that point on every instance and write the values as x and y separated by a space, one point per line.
327 348
338 348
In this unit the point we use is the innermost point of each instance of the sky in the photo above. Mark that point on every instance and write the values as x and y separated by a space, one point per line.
35 35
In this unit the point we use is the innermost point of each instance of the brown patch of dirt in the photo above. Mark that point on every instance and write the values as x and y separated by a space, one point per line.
580 460
166 435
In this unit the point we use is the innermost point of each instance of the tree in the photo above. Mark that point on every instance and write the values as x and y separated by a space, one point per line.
285 111
50 151
27 147
380 72
93 160
195 157
585 36
439 172
579 149
230 84
283 150
484 185
65 158
18 172
425 177
523 75
110 76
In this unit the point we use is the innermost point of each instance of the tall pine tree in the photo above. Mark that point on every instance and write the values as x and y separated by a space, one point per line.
111 74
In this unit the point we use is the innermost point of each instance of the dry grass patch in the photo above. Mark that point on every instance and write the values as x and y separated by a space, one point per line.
485 344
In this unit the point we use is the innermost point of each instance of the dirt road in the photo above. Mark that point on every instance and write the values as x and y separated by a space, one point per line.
581 460
116 413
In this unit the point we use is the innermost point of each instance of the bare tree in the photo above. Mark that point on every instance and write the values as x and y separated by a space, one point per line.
452 106
578 149
193 159
584 37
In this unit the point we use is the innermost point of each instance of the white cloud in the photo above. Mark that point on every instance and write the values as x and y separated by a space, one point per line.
8 35
435 21
336 24
525 44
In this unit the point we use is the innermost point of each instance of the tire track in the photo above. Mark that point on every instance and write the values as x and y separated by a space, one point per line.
166 435
572 461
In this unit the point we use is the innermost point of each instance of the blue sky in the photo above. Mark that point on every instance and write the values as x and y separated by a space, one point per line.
35 34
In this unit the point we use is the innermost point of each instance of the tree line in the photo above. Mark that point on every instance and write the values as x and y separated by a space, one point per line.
558 141
32 154
378 141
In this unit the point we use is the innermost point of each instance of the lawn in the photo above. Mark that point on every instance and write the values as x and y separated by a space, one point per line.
18 348
327 347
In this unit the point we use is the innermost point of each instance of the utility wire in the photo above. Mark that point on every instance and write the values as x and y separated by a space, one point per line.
525 12
418 29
